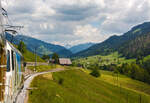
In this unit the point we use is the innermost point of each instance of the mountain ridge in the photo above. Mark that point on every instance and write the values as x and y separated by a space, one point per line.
40 46
114 43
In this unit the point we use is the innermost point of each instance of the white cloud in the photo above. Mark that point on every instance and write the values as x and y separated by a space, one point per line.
82 34
88 33
76 21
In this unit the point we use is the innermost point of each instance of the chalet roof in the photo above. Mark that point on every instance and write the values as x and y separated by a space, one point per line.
65 61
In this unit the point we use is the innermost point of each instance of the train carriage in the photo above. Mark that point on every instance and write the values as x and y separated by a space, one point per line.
11 63
13 81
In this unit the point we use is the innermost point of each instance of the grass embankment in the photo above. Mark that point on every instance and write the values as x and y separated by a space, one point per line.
76 86
30 57
42 68
113 58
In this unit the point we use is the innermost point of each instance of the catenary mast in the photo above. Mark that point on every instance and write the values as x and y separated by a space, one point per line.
1 23
2 56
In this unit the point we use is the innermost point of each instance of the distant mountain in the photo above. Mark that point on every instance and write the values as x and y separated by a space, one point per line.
41 46
135 42
67 46
80 47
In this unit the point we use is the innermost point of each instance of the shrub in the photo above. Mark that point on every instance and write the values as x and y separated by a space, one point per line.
60 81
95 73
45 57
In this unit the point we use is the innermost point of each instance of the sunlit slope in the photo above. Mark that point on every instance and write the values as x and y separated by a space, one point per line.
125 82
76 86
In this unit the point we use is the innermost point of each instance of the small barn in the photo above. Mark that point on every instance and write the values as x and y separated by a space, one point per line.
65 61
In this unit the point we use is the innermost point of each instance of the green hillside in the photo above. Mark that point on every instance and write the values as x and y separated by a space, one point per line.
76 86
29 56
137 47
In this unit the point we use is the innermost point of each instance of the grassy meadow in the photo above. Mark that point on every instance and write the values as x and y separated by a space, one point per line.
113 58
77 86
123 81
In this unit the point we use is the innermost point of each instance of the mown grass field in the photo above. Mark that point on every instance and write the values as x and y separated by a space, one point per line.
113 58
77 86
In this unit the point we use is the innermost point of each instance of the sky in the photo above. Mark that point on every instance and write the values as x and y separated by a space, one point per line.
72 22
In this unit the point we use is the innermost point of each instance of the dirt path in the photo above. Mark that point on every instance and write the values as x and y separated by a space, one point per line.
23 94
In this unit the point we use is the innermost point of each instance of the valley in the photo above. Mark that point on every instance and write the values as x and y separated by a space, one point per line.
120 67
75 51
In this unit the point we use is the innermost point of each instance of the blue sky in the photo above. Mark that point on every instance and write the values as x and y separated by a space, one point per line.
76 21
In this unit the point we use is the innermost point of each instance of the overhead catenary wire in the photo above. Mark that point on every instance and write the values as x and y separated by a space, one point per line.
9 27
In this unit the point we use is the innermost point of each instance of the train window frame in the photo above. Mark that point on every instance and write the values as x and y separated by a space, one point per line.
12 59
8 61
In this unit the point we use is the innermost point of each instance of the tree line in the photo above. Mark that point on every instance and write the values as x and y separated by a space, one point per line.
140 70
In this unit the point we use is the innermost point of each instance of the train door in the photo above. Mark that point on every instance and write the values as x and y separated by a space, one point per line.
8 84
8 77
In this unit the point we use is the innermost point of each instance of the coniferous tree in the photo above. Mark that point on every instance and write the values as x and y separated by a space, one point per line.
22 47
55 57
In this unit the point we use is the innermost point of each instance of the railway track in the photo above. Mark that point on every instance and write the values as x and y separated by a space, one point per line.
23 95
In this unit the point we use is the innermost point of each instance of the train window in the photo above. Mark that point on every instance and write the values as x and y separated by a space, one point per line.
8 61
12 58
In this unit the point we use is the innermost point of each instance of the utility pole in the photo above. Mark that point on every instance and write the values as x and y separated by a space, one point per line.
35 59
1 24
140 98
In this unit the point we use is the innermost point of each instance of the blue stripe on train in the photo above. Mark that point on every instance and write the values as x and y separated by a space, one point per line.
19 64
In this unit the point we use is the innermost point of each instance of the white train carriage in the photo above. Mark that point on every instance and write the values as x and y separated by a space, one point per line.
14 73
